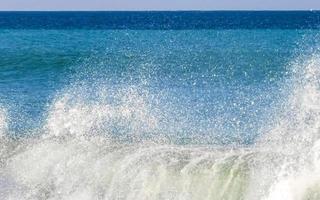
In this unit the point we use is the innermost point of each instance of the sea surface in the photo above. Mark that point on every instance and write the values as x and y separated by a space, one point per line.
193 105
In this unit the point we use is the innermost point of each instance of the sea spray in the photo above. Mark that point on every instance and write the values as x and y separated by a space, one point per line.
127 114
102 143
3 122
78 158
297 135
3 136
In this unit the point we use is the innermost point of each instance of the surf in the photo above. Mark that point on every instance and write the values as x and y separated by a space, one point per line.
119 144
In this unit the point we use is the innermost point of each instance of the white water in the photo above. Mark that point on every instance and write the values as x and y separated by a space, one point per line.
73 159
3 122
297 135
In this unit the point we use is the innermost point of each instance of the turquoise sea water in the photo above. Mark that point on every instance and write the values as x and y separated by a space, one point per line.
200 109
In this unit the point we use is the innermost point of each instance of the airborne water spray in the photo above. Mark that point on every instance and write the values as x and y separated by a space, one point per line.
3 122
105 145
297 134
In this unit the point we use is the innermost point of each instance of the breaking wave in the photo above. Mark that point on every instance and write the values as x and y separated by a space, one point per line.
112 145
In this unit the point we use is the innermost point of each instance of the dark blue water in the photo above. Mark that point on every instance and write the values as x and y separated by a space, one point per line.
160 20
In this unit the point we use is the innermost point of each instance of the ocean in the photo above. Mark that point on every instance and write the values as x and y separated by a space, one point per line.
185 105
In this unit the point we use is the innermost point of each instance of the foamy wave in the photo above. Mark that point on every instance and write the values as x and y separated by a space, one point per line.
79 158
98 169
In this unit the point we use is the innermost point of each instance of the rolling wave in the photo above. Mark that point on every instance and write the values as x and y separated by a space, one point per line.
114 149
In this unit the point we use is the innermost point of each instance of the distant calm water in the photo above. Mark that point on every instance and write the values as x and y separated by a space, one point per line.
160 105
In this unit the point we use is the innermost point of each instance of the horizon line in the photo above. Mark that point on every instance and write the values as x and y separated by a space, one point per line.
178 10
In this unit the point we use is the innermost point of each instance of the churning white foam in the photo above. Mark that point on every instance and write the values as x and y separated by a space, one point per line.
96 169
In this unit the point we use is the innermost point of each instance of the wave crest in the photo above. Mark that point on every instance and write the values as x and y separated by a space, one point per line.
81 157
